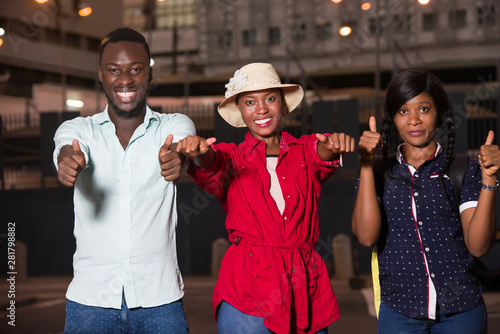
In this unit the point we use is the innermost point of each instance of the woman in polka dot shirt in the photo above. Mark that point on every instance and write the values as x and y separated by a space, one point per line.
425 236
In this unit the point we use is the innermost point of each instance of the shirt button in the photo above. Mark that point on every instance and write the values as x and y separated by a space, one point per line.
416 194
432 275
416 175
427 249
283 177
420 223
124 263
286 218
124 212
124 238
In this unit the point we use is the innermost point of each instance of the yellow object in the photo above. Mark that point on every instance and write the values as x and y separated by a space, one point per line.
375 279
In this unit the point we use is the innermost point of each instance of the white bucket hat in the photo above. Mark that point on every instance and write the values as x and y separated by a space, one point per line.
253 77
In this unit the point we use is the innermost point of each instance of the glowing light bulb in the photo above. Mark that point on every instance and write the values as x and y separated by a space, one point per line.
345 31
85 11
366 6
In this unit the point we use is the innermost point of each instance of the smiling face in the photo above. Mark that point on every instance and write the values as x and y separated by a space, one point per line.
125 75
416 121
262 111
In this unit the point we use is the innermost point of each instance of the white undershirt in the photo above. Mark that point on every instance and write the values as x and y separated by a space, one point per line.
275 189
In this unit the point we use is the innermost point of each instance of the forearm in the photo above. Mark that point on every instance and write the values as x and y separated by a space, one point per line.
481 230
366 219
204 160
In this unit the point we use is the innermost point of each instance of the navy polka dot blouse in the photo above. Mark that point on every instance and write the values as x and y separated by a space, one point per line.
424 265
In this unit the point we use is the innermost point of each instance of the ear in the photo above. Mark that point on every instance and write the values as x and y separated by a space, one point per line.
150 74
99 74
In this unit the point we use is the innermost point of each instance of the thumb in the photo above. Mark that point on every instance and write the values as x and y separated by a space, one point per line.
168 142
373 124
76 146
79 157
322 138
489 139
210 141
206 144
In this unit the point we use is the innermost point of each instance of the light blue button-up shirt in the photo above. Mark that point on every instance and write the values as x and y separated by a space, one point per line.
125 213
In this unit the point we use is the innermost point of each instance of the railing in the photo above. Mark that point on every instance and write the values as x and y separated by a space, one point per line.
201 115
13 122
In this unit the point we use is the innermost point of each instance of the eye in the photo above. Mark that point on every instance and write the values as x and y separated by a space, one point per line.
113 70
424 110
271 99
136 70
403 111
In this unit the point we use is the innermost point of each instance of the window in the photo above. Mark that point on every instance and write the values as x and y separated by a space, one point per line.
249 37
73 40
52 36
486 16
181 13
225 39
457 18
324 31
402 24
374 27
300 33
93 44
428 22
274 36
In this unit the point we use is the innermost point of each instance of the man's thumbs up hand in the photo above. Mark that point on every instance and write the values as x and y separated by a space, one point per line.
70 162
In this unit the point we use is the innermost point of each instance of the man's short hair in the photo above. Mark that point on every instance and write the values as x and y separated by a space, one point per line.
123 34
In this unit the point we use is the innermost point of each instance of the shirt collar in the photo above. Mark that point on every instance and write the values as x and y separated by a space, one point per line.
103 117
400 157
251 142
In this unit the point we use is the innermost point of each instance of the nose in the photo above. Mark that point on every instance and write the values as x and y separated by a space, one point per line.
124 78
414 118
261 108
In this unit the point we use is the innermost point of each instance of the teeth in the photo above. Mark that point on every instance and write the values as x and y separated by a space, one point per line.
262 121
125 94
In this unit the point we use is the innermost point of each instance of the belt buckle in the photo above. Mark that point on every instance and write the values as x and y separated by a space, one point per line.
237 241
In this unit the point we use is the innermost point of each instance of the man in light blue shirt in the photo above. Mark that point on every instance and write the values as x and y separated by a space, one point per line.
122 164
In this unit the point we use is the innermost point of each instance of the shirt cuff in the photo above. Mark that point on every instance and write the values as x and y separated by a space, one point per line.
467 205
193 169
333 163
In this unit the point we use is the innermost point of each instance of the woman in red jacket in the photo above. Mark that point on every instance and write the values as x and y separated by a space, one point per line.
272 279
